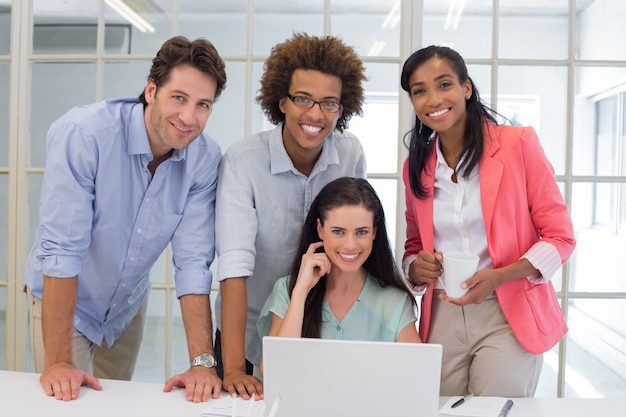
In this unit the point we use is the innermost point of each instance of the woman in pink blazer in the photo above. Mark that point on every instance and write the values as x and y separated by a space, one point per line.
475 186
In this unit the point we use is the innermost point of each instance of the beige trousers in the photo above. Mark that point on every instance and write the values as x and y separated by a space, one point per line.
480 353
116 362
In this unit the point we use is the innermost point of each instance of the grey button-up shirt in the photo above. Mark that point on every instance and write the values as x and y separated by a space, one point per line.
262 201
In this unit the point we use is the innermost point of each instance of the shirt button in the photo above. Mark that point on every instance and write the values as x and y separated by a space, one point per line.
338 327
138 230
132 259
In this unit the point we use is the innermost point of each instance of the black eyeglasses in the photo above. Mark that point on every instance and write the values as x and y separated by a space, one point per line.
307 103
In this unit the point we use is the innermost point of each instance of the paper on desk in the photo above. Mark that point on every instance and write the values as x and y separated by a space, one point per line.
475 407
223 407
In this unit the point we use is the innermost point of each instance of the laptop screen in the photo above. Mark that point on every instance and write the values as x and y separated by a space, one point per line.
341 378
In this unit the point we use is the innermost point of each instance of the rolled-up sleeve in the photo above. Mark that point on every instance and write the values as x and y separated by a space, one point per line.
193 242
236 221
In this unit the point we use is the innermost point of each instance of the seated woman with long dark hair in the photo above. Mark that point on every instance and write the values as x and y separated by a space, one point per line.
344 283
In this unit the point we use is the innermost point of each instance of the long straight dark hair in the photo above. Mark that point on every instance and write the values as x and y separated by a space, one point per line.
420 141
380 264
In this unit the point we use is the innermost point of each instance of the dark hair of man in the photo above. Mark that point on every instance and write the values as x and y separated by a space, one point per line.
326 54
380 264
420 144
200 54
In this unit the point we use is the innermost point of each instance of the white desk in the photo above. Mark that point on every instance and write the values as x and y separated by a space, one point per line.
21 395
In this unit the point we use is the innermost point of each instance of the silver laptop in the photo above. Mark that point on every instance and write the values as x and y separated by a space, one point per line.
341 378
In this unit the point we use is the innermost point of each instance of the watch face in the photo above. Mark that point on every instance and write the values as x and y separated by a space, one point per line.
205 360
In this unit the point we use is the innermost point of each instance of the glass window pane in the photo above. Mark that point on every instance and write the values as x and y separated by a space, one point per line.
548 380
224 24
597 21
125 79
3 327
4 208
606 155
387 191
595 208
596 353
536 31
258 120
537 97
5 32
481 75
63 38
227 121
462 25
622 142
179 360
273 22
4 113
372 29
592 120
56 88
55 33
149 25
151 361
378 128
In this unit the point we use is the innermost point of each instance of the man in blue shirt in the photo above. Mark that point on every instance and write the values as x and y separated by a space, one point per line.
310 89
123 179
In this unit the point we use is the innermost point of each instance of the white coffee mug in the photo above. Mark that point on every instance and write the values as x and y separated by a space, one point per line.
457 268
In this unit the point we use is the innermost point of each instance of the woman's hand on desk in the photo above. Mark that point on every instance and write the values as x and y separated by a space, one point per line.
199 382
63 381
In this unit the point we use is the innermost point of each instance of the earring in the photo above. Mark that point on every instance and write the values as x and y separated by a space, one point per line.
468 97
431 138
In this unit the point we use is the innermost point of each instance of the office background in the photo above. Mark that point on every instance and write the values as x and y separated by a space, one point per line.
558 65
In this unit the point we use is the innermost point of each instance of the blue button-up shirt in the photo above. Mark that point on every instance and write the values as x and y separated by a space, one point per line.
105 219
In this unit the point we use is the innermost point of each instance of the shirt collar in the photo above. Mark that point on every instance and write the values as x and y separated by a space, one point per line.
138 142
281 162
443 165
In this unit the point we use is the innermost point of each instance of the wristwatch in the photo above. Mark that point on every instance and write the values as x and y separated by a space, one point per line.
206 360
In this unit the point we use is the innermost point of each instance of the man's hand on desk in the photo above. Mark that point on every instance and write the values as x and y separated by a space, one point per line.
63 381
242 384
199 382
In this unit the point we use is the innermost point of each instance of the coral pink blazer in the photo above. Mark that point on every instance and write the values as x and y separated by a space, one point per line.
521 204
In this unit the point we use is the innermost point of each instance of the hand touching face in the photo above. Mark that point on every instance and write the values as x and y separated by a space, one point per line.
314 265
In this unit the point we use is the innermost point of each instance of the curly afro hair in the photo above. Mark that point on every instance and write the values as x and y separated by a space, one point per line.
326 54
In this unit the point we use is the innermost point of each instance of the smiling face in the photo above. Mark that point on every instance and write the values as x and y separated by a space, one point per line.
439 97
178 110
348 233
306 129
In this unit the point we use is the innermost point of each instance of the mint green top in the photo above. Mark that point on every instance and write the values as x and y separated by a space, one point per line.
379 314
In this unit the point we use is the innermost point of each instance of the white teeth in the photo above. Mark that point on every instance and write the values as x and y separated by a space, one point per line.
311 129
349 257
439 113
182 128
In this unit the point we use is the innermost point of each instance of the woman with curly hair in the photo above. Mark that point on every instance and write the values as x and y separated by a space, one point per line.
310 89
